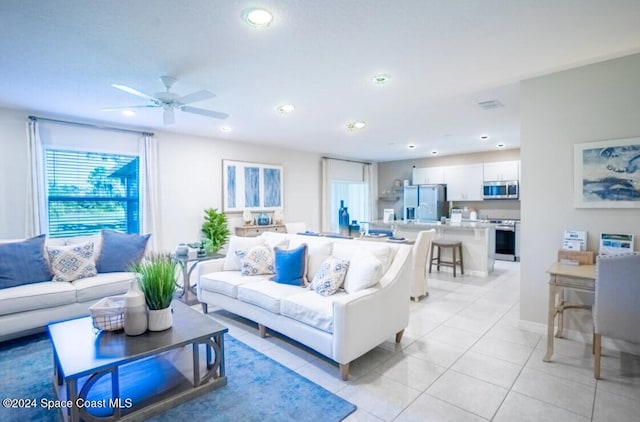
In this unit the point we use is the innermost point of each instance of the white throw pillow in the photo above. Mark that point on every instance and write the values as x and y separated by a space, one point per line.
232 261
318 253
364 271
330 276
69 263
256 260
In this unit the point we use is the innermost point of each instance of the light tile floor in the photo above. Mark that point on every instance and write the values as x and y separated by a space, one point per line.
463 358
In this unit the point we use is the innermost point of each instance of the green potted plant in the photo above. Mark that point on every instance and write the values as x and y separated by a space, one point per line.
214 230
156 275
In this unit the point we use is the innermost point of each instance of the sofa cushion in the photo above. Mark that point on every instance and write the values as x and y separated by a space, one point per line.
291 266
365 270
120 250
383 252
310 308
319 250
72 262
256 260
227 282
329 279
23 262
96 239
28 297
232 261
102 285
267 294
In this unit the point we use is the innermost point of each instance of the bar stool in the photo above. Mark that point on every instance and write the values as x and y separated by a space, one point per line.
455 246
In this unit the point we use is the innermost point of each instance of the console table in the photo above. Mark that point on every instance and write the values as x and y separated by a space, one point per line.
257 230
579 278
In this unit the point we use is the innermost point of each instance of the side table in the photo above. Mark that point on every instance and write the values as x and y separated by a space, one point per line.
187 265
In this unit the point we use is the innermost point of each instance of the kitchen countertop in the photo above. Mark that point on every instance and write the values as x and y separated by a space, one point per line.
465 225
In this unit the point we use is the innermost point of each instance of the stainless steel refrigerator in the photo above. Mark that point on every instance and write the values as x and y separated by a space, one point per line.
432 203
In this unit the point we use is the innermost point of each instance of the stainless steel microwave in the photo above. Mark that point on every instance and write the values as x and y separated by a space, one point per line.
507 189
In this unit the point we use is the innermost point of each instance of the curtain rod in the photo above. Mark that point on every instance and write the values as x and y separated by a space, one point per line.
349 161
89 125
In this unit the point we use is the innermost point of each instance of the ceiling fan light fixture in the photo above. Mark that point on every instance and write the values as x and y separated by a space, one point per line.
257 18
285 108
355 126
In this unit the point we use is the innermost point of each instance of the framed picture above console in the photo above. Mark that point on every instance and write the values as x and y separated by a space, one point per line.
251 186
607 174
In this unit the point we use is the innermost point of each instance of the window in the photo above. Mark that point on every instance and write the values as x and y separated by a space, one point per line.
90 191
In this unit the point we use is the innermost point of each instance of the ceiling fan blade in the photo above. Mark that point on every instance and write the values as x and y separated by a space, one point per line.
168 116
132 91
195 97
128 107
203 112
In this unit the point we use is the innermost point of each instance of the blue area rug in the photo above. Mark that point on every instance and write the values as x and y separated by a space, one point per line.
258 388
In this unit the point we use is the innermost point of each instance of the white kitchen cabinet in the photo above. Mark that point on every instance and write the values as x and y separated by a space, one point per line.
464 182
503 170
428 176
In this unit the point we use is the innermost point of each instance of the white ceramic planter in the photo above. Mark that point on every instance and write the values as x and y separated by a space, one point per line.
160 320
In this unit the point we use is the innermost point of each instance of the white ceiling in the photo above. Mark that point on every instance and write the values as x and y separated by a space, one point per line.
60 57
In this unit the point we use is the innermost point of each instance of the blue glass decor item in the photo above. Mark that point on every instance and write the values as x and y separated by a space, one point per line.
263 219
343 219
355 228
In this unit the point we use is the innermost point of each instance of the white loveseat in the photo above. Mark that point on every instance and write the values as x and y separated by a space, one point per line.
28 308
342 326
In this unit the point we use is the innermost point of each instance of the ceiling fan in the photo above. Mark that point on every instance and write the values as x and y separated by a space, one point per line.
169 101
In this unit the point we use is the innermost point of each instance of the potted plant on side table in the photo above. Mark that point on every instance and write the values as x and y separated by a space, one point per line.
214 230
156 275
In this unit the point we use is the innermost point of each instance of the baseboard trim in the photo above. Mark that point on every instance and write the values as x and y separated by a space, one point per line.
575 335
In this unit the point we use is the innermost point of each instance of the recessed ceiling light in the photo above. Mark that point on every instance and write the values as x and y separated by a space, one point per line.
128 113
484 137
285 108
500 145
225 129
434 152
355 126
381 78
258 18
411 146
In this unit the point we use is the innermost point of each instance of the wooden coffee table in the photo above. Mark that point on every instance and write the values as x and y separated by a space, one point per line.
112 376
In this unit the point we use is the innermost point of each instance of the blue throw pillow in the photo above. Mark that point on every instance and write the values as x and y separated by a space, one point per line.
291 266
23 262
120 250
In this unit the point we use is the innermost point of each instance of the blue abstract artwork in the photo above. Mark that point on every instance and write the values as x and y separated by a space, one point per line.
231 186
251 187
272 183
608 174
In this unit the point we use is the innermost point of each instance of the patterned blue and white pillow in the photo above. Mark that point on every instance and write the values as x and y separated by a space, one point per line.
72 262
256 260
330 276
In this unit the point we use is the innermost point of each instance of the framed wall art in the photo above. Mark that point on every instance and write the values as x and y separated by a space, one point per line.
607 174
251 186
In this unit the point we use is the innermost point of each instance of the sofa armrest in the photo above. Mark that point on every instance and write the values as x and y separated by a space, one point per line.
205 267
367 318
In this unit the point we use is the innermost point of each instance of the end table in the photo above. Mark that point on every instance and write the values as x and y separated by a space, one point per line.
187 265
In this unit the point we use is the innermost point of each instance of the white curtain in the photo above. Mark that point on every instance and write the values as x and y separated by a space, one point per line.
148 152
371 180
36 216
326 195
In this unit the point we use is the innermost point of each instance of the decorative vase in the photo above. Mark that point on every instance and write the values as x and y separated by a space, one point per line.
135 310
247 217
160 319
355 228
343 219
263 219
182 250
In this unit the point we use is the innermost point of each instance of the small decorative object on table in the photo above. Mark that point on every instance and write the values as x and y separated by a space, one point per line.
135 311
247 217
355 228
263 219
182 249
108 313
278 216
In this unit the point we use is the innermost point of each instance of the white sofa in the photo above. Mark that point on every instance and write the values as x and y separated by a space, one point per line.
342 326
28 308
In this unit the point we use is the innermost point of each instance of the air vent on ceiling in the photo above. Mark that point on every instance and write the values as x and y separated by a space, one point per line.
491 104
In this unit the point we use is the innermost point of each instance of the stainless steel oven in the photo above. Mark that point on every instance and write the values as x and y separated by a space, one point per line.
505 239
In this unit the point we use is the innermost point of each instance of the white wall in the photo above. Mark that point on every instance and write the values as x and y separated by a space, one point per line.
190 179
586 104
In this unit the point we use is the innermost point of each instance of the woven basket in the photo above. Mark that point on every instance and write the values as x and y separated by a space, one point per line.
108 313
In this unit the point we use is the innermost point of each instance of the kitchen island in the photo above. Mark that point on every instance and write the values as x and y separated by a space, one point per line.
478 241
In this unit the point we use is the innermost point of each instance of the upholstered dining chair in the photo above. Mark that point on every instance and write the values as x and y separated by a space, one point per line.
616 309
419 264
295 227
